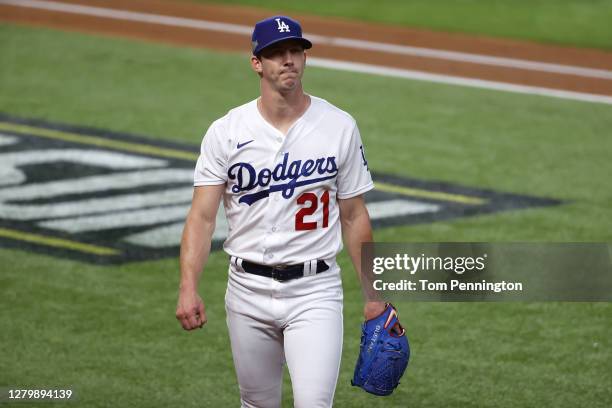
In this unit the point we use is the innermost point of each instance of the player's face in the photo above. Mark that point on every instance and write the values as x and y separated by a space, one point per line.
282 65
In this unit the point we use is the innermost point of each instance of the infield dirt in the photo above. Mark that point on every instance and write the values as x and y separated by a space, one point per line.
588 58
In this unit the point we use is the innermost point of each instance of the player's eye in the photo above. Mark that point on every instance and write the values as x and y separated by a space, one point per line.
275 52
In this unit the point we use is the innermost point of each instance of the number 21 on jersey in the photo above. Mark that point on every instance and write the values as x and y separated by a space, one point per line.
312 203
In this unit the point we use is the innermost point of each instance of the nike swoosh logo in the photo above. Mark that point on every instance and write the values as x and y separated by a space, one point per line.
241 145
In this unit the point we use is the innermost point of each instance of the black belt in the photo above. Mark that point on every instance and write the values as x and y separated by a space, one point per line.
282 272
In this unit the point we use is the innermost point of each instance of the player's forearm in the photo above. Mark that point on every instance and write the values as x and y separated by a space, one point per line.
195 248
356 231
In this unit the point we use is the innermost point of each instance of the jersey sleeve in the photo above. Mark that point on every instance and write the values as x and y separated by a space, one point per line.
211 167
354 176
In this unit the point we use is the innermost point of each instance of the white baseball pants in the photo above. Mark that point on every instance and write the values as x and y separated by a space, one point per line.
298 322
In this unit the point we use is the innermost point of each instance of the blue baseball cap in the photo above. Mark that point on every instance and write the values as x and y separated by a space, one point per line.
276 29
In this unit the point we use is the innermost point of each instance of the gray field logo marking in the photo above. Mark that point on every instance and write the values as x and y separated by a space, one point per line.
106 197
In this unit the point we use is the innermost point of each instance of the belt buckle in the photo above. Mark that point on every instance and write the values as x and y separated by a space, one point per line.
275 270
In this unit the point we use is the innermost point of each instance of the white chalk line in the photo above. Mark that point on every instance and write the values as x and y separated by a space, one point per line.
363 45
452 80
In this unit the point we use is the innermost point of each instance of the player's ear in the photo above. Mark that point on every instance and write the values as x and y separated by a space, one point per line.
256 64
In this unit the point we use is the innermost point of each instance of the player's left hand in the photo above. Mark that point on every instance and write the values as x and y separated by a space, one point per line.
372 310
383 355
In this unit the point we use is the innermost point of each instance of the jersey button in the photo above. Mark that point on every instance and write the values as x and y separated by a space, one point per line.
280 139
273 229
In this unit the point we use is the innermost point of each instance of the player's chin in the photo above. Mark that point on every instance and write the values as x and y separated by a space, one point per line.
290 76
289 84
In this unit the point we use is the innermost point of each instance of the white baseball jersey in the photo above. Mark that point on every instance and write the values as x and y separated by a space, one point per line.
281 190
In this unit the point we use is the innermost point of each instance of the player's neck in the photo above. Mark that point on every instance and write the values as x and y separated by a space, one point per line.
282 110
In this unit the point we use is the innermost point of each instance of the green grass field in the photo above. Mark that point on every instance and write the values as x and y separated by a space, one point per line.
110 332
583 23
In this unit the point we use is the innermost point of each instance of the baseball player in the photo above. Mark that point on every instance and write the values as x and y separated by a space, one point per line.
291 170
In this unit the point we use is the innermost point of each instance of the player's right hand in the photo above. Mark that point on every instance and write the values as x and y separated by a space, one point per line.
190 310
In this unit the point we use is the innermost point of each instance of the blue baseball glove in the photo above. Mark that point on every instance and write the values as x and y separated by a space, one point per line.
384 354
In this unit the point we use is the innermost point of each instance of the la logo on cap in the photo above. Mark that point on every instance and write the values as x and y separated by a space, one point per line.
282 27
